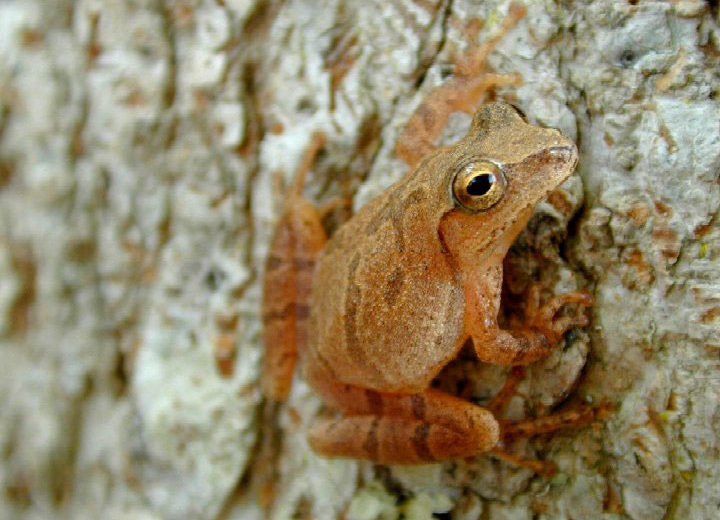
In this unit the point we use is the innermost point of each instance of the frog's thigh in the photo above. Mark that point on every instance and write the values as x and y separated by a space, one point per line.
404 429
299 238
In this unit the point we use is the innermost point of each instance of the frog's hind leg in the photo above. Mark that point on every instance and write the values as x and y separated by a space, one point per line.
511 431
464 92
541 467
567 419
297 241
402 428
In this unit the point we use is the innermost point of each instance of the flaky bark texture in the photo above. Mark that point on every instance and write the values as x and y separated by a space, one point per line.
142 145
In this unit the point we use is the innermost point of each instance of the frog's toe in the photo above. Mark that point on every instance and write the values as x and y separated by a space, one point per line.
565 323
545 318
550 308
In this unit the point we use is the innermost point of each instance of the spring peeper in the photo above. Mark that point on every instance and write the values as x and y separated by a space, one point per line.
375 312
394 294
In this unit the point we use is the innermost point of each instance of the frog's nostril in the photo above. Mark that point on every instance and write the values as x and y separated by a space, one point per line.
563 153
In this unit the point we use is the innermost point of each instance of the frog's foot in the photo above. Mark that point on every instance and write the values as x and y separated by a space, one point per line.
317 141
568 419
474 60
464 92
403 429
339 203
545 468
545 318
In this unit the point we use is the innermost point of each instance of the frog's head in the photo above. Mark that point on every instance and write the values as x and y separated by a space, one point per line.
496 176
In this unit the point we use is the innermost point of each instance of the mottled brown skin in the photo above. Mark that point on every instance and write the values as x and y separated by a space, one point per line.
402 285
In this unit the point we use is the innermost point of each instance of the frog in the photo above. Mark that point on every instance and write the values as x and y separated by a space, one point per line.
376 311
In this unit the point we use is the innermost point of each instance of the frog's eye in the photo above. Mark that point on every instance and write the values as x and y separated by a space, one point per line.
478 185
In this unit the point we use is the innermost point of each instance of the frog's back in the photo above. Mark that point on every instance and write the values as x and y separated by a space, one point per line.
387 309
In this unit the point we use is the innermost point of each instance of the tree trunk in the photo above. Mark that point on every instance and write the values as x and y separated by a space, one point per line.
145 147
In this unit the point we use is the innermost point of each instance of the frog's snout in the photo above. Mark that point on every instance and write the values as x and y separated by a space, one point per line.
566 154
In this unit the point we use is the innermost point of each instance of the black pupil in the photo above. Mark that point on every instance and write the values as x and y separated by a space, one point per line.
480 184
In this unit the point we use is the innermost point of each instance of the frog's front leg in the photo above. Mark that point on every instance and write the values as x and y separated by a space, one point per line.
390 428
528 339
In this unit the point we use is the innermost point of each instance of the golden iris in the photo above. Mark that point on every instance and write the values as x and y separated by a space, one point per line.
479 185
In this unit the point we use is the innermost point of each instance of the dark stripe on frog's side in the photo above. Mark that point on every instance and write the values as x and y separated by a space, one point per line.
392 208
394 212
398 214
352 303
327 366
382 215
451 306
394 286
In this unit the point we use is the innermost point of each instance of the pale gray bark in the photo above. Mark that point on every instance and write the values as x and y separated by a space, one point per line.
140 144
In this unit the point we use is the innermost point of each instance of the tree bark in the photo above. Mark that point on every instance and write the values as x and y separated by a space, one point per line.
144 146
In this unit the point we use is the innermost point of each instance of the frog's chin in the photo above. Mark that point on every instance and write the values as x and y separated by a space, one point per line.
517 223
